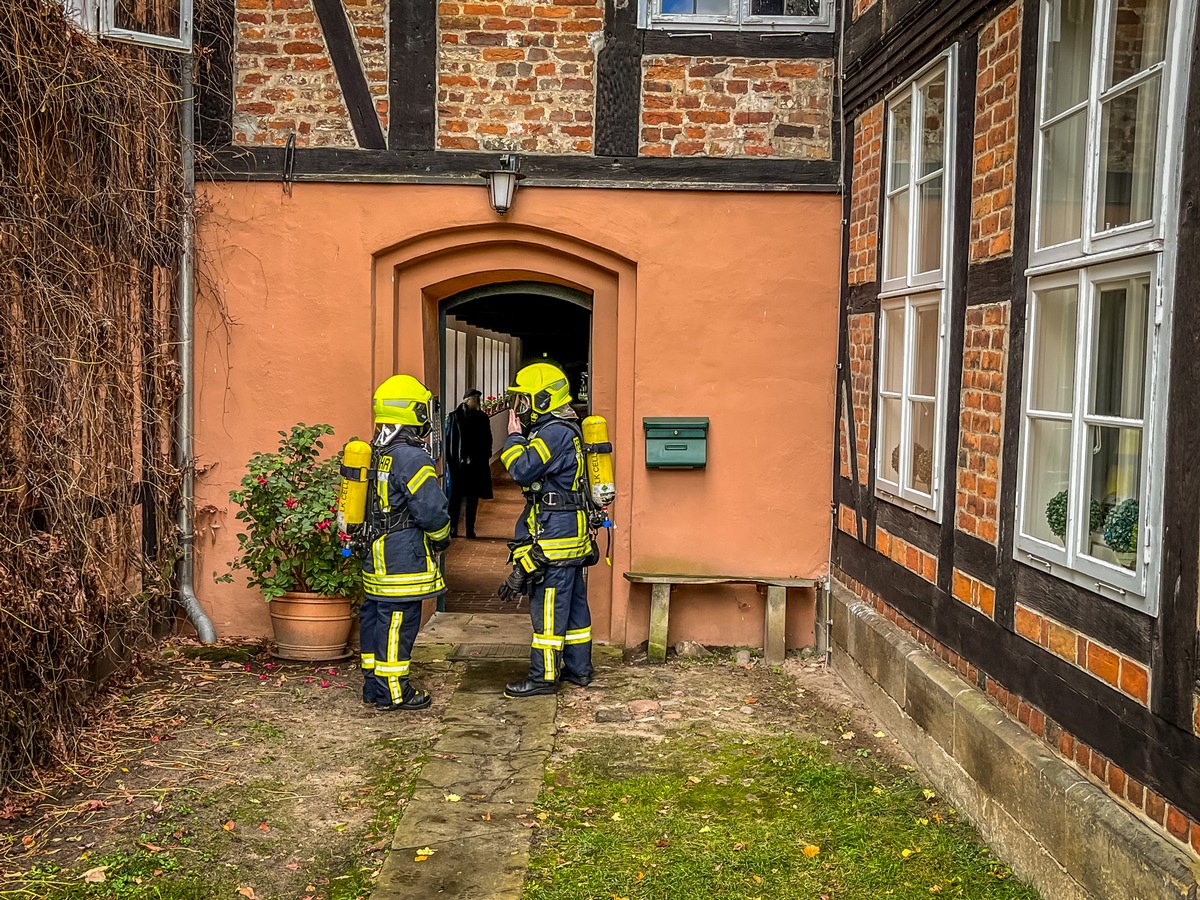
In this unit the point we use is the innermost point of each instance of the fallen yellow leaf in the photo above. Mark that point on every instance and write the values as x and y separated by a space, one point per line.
880 734
247 892
848 736
929 795
616 817
420 858
811 850
96 875
693 779
229 826
877 790
452 798
757 879
427 851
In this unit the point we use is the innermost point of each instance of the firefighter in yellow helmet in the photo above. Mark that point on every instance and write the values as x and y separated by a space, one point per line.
554 539
407 525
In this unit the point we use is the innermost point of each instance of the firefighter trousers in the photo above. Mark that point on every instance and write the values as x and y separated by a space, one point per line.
387 631
562 625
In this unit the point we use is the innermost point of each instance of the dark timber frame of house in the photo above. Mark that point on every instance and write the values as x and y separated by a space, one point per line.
409 154
1156 746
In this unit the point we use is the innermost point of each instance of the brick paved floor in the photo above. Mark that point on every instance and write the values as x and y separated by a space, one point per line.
475 568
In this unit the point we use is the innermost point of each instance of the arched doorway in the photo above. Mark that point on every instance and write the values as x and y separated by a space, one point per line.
486 334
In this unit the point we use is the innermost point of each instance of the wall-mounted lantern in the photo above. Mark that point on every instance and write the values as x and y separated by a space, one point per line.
502 183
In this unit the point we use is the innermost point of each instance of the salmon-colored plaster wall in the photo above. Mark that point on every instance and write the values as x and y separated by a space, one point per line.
705 303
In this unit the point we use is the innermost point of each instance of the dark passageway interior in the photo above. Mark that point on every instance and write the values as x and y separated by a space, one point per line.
538 323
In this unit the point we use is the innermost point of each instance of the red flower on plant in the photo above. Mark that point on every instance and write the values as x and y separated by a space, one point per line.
323 526
342 536
290 502
261 480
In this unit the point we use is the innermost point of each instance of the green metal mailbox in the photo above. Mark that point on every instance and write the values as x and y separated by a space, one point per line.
676 442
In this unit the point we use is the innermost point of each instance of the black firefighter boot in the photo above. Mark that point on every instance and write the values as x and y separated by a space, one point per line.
412 699
528 687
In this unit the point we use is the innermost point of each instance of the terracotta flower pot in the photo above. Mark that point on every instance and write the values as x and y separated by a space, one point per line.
310 626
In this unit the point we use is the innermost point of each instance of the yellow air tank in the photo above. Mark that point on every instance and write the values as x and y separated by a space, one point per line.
352 494
598 458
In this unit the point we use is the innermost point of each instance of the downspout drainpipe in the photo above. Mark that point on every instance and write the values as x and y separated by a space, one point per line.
184 456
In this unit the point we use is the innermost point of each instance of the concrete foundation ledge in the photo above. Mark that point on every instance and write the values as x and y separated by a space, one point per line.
1058 830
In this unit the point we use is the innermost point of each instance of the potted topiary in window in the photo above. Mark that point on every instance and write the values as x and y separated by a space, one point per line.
1056 516
1121 532
291 549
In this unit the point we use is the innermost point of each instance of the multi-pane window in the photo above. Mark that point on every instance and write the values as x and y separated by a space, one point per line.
1104 88
913 304
1090 494
151 23
759 14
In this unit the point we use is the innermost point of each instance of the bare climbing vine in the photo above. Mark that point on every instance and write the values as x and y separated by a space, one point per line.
90 212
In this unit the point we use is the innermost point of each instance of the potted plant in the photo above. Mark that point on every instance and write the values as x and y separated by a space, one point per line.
291 549
1056 516
1120 532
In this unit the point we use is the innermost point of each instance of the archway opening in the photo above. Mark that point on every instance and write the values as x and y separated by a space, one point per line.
486 335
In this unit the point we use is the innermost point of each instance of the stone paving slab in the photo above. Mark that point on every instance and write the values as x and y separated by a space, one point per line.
489 628
465 739
475 793
471 790
489 677
429 822
487 867
455 770
491 651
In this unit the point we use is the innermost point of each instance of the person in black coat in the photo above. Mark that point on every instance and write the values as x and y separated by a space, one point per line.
468 459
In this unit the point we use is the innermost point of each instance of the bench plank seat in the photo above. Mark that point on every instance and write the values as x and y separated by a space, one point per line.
776 613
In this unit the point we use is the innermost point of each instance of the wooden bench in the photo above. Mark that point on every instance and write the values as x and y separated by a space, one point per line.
773 630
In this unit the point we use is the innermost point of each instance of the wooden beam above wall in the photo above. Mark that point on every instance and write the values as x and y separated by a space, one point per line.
433 167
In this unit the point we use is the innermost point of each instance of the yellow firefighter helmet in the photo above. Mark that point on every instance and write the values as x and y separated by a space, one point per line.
540 388
402 400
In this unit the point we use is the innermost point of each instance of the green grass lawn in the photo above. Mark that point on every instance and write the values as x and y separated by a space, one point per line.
770 817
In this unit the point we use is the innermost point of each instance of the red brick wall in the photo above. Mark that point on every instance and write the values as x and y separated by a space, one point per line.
981 420
862 353
864 196
517 76
369 25
725 107
975 593
905 554
285 80
1120 672
995 135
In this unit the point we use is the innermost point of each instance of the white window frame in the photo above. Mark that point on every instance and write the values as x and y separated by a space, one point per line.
1098 257
181 42
915 291
1136 237
650 15
1068 561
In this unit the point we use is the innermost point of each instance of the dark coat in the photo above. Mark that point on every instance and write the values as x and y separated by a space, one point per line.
469 452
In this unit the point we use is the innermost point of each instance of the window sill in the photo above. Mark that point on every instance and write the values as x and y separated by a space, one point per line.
764 29
924 512
1087 582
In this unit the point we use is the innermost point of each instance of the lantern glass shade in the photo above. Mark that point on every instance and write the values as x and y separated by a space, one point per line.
502 187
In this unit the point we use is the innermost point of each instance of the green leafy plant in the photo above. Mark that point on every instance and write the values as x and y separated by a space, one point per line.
1056 514
1121 526
288 501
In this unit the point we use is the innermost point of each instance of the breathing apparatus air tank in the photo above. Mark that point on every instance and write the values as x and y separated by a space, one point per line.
352 492
598 460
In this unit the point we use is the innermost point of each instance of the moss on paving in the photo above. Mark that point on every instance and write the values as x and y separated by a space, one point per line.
709 814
